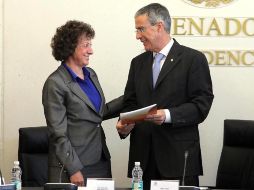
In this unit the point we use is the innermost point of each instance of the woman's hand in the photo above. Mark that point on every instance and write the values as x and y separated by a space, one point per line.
124 129
78 179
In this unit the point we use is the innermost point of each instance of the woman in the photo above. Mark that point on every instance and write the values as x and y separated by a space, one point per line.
74 107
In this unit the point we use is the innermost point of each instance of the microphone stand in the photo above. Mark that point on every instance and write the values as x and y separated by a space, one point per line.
182 187
1 176
4 186
60 185
60 174
186 153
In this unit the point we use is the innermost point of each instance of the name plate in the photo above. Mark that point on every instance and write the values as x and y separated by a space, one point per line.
164 185
8 187
100 184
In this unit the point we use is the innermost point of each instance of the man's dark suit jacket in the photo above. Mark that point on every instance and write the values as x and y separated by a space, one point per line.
76 138
184 87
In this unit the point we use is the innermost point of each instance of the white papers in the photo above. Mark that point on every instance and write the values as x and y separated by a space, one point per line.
100 183
82 188
139 114
164 184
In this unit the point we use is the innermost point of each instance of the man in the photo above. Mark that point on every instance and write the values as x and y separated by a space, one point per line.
183 94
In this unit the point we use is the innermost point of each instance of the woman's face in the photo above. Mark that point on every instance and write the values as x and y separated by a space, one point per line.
83 51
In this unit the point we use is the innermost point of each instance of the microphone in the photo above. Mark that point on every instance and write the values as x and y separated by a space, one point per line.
60 185
4 186
60 175
183 187
1 176
186 154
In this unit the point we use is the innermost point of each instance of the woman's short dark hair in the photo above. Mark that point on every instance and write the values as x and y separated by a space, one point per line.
65 40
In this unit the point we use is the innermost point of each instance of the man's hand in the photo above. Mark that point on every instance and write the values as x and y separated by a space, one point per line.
157 118
124 129
77 179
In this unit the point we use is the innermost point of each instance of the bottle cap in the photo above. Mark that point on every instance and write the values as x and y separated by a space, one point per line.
16 162
137 163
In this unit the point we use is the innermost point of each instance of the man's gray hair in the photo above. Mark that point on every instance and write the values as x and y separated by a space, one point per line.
156 13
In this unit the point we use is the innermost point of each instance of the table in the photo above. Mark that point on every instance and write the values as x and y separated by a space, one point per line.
41 188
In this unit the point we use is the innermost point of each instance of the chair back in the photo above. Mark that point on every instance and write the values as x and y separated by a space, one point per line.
236 166
33 156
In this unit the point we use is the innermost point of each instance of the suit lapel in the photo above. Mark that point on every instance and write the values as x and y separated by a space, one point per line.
171 61
75 88
98 87
148 69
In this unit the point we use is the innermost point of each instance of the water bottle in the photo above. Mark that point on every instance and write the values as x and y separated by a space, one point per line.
137 182
16 175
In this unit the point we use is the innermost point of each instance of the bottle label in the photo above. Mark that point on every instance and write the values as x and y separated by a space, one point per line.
18 185
137 185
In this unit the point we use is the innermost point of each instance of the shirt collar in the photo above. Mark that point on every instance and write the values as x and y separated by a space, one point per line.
166 49
73 75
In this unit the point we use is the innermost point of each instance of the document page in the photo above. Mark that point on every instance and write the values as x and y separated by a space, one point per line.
138 115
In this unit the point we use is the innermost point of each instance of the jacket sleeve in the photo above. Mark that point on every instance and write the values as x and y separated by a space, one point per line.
53 100
113 108
200 95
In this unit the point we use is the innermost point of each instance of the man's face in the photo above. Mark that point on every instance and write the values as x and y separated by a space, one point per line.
146 33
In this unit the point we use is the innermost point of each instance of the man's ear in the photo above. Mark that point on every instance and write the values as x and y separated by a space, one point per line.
160 26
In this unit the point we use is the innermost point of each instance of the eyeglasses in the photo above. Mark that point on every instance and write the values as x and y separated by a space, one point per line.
141 29
85 45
